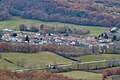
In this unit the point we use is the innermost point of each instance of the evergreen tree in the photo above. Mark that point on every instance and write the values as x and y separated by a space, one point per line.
105 36
27 38
114 38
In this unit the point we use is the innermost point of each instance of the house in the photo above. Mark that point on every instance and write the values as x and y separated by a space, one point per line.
43 42
37 34
58 40
105 41
110 36
13 39
90 39
7 30
104 45
72 43
114 29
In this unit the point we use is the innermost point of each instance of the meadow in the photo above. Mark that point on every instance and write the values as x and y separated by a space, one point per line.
15 21
89 58
37 59
83 75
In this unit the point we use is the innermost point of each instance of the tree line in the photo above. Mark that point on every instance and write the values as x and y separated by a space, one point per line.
30 75
44 29
69 51
34 48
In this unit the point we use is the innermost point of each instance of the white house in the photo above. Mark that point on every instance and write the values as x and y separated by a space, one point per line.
7 30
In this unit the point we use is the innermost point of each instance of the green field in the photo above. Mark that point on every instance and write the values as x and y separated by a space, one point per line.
15 21
37 59
89 58
83 75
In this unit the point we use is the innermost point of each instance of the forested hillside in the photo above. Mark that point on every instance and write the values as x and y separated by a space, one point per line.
83 12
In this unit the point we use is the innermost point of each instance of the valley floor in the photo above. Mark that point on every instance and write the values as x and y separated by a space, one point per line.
44 58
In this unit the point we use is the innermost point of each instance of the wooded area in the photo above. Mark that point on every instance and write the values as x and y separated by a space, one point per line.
63 50
88 12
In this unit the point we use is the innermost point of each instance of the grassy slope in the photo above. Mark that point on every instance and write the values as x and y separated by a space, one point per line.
97 57
83 75
15 21
38 59
4 64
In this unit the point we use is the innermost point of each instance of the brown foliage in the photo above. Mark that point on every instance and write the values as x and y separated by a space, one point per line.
34 48
32 75
83 12
5 47
22 27
111 71
34 29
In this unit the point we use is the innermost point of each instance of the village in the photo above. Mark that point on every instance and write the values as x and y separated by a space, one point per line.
9 35
38 38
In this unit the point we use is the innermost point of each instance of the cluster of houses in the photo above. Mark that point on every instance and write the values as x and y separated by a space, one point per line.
104 39
37 38
110 36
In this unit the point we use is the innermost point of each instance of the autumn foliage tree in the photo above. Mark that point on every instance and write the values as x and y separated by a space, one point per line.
4 15
5 47
87 12
34 29
110 72
23 27
55 48
32 75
